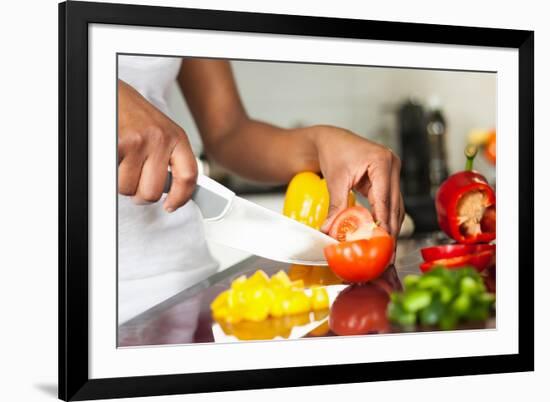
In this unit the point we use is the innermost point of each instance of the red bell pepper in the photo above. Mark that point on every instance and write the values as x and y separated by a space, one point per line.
466 206
454 250
479 261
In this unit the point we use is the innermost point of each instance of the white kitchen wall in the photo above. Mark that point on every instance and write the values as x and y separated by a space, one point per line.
361 99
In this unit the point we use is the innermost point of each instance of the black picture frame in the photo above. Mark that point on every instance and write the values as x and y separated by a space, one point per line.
74 18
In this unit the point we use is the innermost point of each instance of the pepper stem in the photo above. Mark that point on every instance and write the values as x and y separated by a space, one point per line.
470 151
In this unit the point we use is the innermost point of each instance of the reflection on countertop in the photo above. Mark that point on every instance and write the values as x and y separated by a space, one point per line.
354 309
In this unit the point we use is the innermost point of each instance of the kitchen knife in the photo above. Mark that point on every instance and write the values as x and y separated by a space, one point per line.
238 223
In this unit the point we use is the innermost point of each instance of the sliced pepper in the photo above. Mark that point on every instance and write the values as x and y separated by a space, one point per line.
280 280
465 205
480 261
256 303
299 303
220 300
454 250
319 299
321 330
259 278
258 297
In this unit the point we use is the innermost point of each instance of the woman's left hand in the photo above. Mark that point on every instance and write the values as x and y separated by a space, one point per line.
347 162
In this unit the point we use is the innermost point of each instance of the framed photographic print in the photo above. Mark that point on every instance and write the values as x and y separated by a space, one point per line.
258 200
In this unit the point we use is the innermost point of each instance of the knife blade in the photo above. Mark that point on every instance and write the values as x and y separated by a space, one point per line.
241 224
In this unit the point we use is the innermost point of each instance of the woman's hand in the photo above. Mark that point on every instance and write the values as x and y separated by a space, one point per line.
149 142
348 161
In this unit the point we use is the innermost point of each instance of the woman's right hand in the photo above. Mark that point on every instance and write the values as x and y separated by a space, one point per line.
149 142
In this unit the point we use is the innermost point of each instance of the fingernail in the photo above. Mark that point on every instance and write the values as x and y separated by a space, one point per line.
169 209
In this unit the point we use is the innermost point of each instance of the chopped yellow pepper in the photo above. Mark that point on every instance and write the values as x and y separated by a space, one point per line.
259 278
239 282
280 306
256 304
319 299
280 280
220 300
299 303
321 330
258 297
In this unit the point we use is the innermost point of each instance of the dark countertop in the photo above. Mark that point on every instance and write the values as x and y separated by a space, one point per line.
186 317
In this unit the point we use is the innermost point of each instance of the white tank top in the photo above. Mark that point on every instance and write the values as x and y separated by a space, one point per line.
159 254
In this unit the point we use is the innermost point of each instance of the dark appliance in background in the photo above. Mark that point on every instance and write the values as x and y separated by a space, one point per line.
436 126
424 163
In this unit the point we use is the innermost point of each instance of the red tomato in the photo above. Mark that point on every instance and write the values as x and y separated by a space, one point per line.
360 260
479 261
454 250
360 309
355 223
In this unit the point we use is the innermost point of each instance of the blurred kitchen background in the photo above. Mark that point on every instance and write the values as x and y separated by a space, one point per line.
425 116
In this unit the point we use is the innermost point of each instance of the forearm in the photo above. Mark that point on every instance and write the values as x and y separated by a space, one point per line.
250 148
260 151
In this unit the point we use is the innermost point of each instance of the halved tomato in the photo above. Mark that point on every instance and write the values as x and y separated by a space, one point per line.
355 223
479 261
454 250
360 260
365 249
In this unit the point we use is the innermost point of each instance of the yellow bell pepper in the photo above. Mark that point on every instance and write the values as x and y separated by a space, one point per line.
257 302
259 278
297 320
238 283
258 297
299 303
225 314
261 330
319 298
280 281
220 300
280 306
318 315
307 199
321 330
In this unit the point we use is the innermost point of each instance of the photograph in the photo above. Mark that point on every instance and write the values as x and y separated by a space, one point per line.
254 201
273 201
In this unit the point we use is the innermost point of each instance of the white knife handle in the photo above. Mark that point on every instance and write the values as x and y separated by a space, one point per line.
212 198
